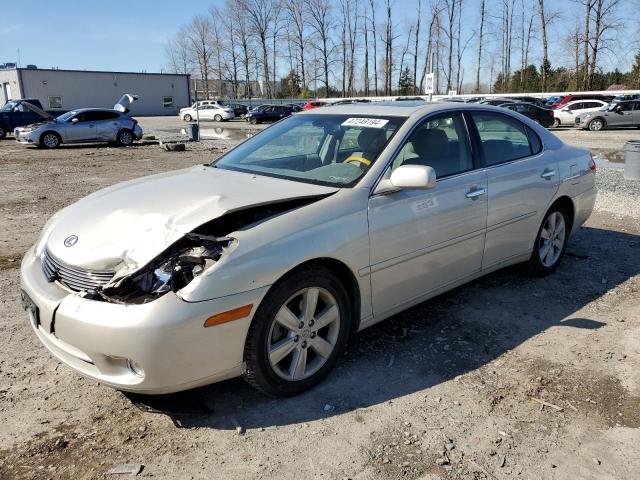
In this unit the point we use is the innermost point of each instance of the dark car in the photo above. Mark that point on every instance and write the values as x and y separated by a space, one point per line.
543 116
22 112
268 113
536 101
496 102
239 109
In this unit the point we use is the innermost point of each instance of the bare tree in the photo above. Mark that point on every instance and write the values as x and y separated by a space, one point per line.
322 24
480 43
366 53
545 44
375 46
260 17
178 53
604 21
388 55
450 8
415 47
295 10
200 38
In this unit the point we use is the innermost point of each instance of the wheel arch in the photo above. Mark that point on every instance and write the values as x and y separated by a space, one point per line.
50 131
567 204
344 274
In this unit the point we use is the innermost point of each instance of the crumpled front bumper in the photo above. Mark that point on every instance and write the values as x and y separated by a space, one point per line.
137 131
164 338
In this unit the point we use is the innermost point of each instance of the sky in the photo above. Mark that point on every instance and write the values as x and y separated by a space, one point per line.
130 35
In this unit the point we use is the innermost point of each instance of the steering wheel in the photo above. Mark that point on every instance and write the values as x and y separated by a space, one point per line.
358 159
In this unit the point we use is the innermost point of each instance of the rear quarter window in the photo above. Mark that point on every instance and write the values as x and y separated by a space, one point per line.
504 139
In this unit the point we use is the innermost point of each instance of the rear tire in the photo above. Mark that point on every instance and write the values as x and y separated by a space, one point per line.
50 140
551 242
3 132
556 122
297 332
187 118
125 138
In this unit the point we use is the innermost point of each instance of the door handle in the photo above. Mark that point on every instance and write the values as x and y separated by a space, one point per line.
475 193
548 174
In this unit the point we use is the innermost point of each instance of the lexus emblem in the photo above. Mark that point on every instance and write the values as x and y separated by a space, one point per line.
70 241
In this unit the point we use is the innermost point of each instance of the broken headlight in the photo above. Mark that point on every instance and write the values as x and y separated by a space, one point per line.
171 271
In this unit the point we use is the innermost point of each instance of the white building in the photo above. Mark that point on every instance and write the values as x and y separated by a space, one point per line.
160 93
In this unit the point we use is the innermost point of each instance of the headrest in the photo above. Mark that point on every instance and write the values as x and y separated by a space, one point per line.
372 140
431 143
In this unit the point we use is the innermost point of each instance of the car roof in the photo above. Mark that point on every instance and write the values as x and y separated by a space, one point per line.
395 109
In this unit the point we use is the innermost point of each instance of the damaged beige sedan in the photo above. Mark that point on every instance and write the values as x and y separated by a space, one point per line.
262 263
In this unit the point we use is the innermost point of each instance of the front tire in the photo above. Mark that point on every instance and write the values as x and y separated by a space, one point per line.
3 133
551 242
218 118
187 118
297 333
50 140
253 120
596 125
125 138
556 122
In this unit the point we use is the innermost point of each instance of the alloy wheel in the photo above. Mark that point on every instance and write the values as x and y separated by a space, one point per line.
596 125
552 237
303 334
125 138
50 140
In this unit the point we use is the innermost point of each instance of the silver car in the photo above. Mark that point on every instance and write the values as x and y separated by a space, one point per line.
263 262
85 125
614 115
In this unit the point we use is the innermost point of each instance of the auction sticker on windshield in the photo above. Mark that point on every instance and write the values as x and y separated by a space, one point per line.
365 122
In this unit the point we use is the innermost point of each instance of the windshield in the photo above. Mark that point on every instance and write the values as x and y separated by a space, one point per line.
333 150
9 106
66 116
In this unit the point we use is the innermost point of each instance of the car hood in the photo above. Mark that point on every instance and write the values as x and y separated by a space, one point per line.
123 227
33 126
37 110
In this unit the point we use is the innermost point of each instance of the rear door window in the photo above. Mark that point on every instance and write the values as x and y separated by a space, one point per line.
502 138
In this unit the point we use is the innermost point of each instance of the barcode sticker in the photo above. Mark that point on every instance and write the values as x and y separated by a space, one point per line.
365 122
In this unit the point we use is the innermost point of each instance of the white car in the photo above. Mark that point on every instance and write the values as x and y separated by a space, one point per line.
566 115
262 263
211 111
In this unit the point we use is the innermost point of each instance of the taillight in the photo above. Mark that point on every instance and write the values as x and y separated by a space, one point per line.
592 165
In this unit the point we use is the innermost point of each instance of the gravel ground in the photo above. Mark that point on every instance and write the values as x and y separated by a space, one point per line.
449 389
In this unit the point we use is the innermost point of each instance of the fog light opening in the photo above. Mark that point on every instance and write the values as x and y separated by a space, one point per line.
135 368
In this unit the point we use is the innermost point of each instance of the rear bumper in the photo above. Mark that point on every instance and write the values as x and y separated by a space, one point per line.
583 204
165 338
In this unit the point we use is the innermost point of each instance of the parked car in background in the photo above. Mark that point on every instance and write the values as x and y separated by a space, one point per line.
549 101
268 113
85 125
347 101
581 96
474 99
294 107
214 112
535 100
409 99
615 115
544 116
311 104
496 102
264 262
566 115
239 109
622 98
18 113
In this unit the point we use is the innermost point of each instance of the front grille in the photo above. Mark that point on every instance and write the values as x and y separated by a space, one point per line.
75 278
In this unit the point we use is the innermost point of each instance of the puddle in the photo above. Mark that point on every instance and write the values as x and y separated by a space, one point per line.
608 158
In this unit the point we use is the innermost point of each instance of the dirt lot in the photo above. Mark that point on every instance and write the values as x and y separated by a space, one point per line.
443 391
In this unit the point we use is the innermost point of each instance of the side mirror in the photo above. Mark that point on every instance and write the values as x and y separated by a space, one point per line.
408 177
75 120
